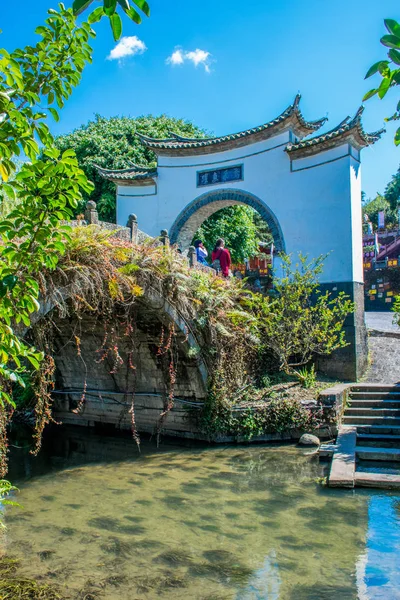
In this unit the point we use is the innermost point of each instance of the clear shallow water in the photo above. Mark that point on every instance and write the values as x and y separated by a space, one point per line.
220 523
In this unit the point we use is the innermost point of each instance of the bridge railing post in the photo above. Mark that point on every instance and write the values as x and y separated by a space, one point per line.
192 256
164 238
133 226
91 214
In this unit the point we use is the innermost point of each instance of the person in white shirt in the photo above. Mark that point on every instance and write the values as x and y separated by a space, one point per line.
201 252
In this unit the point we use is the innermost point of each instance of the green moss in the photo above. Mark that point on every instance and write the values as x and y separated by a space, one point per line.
13 587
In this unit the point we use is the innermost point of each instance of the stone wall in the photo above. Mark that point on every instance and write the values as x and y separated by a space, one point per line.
349 363
108 391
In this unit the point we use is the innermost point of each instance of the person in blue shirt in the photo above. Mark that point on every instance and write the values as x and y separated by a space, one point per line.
201 252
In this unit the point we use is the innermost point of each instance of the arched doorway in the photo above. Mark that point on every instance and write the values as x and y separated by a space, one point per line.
195 213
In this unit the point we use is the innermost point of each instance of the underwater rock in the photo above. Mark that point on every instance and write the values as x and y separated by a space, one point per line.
309 440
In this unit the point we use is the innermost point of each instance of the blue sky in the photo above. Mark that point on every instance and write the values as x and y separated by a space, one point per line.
261 53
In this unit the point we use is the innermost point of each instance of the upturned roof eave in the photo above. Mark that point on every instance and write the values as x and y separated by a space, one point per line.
291 119
348 131
133 176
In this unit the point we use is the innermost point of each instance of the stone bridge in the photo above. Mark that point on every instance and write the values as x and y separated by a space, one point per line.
108 391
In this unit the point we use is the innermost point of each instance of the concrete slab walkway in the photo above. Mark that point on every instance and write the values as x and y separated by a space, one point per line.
344 459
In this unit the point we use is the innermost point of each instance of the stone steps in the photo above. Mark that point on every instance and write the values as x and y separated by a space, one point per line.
378 437
376 403
377 480
377 454
363 396
365 452
367 411
374 387
360 420
370 432
378 430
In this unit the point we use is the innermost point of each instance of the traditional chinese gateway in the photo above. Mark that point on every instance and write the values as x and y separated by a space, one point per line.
307 187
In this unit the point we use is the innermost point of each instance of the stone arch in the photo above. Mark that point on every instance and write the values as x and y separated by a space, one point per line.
166 311
195 213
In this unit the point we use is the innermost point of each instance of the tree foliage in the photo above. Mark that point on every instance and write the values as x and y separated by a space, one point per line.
392 191
35 82
110 10
372 207
30 79
301 322
389 203
112 143
240 226
388 69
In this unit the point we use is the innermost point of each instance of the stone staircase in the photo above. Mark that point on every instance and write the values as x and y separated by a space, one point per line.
367 450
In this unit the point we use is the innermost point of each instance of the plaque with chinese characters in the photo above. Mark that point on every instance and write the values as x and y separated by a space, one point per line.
224 175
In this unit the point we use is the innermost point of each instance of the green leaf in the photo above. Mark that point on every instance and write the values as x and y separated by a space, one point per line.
369 95
26 321
9 190
34 362
116 26
134 15
383 88
391 41
392 26
144 7
395 77
394 55
375 68
110 7
68 154
10 281
55 114
41 30
384 69
79 6
397 137
124 3
96 15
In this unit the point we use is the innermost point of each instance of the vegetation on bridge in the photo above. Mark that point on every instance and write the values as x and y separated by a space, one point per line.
241 335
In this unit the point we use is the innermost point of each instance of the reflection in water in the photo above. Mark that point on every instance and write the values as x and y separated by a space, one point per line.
231 523
378 570
264 583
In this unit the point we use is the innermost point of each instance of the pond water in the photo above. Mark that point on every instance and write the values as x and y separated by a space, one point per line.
216 523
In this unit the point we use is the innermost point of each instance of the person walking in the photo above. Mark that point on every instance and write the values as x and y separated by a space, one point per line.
221 258
201 252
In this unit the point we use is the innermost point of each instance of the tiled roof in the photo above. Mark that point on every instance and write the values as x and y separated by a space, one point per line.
350 130
291 118
131 176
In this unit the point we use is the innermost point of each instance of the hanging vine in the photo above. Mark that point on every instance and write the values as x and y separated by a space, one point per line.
111 279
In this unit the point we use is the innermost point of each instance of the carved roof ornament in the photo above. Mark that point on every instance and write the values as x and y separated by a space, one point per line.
291 119
134 175
349 130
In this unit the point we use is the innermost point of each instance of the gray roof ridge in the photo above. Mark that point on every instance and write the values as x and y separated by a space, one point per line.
348 124
199 142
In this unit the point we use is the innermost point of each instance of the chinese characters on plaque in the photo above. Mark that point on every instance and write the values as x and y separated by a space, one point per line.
220 176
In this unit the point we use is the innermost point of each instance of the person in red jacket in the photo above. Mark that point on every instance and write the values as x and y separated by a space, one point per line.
221 258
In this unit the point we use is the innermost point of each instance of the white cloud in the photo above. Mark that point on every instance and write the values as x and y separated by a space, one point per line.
127 46
197 57
176 58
